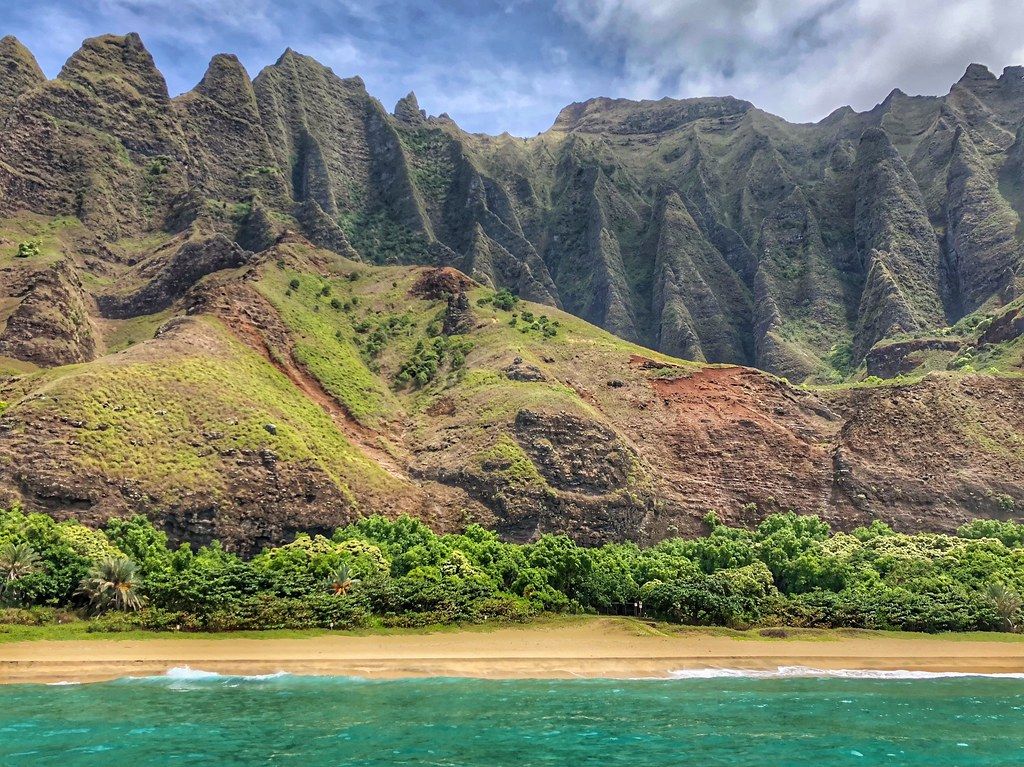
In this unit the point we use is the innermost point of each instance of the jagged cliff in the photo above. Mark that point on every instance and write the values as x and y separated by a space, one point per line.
703 227
238 310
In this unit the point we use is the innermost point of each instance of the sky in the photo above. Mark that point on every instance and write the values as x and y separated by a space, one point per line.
511 65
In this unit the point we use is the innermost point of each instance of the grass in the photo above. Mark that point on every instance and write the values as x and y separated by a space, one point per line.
514 464
120 334
78 630
324 340
171 419
48 232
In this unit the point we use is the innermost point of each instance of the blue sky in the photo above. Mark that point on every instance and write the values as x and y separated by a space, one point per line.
497 65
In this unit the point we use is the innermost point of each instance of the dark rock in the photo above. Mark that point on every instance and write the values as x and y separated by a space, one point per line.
435 284
889 360
169 278
50 323
458 317
1005 327
257 231
521 371
575 454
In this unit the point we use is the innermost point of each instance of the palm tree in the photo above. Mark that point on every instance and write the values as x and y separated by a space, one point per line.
112 585
1007 603
341 580
16 561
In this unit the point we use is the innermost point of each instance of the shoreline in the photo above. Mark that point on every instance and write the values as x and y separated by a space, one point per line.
596 648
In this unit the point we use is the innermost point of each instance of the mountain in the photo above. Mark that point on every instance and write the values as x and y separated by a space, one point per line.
271 305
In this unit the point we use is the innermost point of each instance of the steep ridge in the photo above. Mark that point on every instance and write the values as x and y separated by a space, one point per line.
237 310
814 241
19 72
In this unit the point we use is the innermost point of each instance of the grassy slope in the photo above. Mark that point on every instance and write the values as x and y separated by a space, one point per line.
479 399
141 412
167 413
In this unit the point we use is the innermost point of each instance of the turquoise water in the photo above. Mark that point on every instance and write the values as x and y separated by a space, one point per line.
187 719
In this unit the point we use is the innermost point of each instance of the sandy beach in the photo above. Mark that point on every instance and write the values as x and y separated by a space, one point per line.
589 648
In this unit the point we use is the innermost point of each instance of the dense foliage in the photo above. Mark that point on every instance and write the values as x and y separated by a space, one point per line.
790 570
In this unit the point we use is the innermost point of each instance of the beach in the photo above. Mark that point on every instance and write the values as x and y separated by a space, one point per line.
597 647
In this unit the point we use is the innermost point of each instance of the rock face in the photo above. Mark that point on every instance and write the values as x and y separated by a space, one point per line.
769 244
897 247
900 357
225 134
1008 326
573 454
523 371
19 73
51 323
169 276
458 317
245 275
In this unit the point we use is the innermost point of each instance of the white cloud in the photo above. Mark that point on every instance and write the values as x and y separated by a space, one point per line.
800 58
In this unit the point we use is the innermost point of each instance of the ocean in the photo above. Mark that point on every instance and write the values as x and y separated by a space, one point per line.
787 719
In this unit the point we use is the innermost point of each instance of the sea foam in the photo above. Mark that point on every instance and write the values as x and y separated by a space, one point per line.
189 674
782 672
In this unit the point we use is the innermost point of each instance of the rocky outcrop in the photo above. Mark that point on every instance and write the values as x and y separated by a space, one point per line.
576 455
19 73
257 230
458 316
408 111
520 370
170 274
437 284
50 324
1007 326
888 360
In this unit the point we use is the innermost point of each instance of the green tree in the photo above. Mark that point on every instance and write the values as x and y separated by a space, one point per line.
1007 603
17 560
112 584
341 580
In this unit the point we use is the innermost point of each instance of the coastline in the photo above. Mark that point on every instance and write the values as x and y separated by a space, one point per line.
596 647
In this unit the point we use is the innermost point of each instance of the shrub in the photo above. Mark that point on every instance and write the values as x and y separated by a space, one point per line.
29 249
504 299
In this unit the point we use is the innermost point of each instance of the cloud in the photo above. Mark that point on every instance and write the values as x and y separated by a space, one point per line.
800 58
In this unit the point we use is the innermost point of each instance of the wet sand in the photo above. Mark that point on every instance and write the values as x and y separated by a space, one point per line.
597 647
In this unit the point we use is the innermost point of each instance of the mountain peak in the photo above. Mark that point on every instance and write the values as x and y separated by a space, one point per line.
408 110
300 62
977 73
18 71
626 116
224 75
289 54
11 47
123 56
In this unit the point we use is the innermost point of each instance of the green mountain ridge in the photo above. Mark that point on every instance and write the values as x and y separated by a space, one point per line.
269 305
702 227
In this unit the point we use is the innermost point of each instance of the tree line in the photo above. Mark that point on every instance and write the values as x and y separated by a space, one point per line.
790 570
